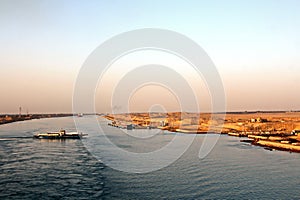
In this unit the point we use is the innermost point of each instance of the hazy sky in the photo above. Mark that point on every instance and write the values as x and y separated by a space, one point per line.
254 44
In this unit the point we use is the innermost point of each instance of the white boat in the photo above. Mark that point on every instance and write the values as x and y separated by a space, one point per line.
62 134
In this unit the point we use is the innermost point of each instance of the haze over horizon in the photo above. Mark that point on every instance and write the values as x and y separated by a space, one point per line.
255 46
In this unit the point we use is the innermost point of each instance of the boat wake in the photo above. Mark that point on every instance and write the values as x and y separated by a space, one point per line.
14 137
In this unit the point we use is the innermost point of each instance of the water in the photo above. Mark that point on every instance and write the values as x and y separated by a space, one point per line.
51 169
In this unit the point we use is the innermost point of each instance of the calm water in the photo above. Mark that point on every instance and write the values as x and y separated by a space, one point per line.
48 169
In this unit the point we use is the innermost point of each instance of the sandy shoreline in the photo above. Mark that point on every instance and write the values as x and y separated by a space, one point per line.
260 127
254 122
5 119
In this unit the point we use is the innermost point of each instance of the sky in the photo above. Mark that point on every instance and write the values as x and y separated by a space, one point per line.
255 46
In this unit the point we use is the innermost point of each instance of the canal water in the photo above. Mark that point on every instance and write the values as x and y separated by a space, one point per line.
51 169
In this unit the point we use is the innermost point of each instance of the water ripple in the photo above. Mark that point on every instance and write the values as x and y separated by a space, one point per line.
45 169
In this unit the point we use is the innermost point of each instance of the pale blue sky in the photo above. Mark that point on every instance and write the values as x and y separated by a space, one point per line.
254 44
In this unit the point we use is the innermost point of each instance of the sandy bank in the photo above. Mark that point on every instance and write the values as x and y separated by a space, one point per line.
277 145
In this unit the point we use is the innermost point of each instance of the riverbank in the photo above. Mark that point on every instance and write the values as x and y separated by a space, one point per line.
240 124
269 129
5 119
292 147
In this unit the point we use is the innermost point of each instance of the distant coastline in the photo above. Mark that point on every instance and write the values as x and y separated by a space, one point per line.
10 118
272 129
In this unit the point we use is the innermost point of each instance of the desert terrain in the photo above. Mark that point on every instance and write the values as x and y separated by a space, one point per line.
278 129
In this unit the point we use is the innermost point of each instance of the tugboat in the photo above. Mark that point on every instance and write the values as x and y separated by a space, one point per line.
62 134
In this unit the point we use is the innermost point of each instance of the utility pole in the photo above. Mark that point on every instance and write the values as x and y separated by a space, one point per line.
20 111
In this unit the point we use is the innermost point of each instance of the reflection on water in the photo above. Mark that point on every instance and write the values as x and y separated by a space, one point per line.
32 168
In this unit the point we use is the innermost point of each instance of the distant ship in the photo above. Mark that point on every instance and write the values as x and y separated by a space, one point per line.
62 134
80 115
